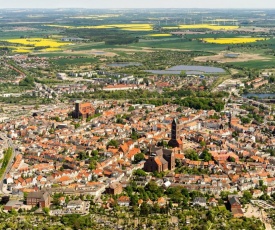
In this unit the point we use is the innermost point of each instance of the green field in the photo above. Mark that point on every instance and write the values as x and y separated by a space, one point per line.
256 64
75 61
180 44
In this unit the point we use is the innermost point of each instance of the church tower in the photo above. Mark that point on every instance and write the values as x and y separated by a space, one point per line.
174 129
175 135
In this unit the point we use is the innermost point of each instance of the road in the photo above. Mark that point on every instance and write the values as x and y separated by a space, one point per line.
8 168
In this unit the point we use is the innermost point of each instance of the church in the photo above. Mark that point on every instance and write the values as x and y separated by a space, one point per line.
163 159
83 110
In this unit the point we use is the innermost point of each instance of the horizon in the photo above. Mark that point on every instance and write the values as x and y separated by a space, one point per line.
141 4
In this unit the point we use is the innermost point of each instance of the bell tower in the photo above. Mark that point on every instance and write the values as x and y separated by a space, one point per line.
174 129
175 135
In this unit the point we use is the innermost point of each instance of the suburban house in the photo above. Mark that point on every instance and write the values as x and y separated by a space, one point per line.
201 201
123 201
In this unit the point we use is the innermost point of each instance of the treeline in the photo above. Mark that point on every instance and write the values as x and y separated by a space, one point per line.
191 93
204 100
201 103
27 81
109 36
121 40
5 162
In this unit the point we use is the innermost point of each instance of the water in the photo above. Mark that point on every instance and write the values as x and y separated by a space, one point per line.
259 95
189 70
124 64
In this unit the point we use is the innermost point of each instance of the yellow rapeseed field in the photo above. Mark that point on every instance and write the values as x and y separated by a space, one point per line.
36 42
203 26
232 40
27 45
159 35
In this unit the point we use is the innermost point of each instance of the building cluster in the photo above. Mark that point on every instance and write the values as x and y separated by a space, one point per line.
258 82
56 156
27 61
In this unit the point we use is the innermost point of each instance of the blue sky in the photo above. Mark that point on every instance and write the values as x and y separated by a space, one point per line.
137 4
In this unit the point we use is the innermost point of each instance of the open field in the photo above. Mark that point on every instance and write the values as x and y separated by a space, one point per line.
91 52
221 58
203 26
256 64
127 27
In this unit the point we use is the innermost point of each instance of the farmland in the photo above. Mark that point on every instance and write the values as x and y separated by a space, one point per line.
100 36
27 45
127 27
203 26
237 40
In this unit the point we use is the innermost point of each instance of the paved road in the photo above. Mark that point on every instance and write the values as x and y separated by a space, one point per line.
8 168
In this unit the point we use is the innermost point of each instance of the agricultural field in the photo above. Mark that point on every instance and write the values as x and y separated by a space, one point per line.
159 35
227 57
237 40
28 45
127 27
202 26
108 34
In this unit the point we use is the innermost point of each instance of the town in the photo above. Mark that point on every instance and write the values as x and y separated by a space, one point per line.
137 119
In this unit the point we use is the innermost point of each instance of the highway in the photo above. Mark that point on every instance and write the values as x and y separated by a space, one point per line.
8 168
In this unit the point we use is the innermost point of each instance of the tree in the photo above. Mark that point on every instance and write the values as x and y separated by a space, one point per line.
113 143
144 209
206 156
191 154
247 196
131 108
76 126
46 210
140 172
183 74
231 159
138 158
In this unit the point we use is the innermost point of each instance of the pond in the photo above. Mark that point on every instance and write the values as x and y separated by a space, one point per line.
259 95
189 69
124 64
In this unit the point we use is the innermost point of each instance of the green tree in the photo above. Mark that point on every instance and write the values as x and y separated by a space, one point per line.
140 172
138 158
206 156
247 196
131 108
113 143
46 210
191 154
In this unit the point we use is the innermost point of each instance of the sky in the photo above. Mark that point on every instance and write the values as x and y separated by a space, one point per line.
137 4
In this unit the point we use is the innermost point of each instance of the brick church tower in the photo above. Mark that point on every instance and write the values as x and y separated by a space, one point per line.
175 140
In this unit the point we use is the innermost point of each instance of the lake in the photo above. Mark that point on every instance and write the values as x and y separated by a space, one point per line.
124 64
189 70
259 95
